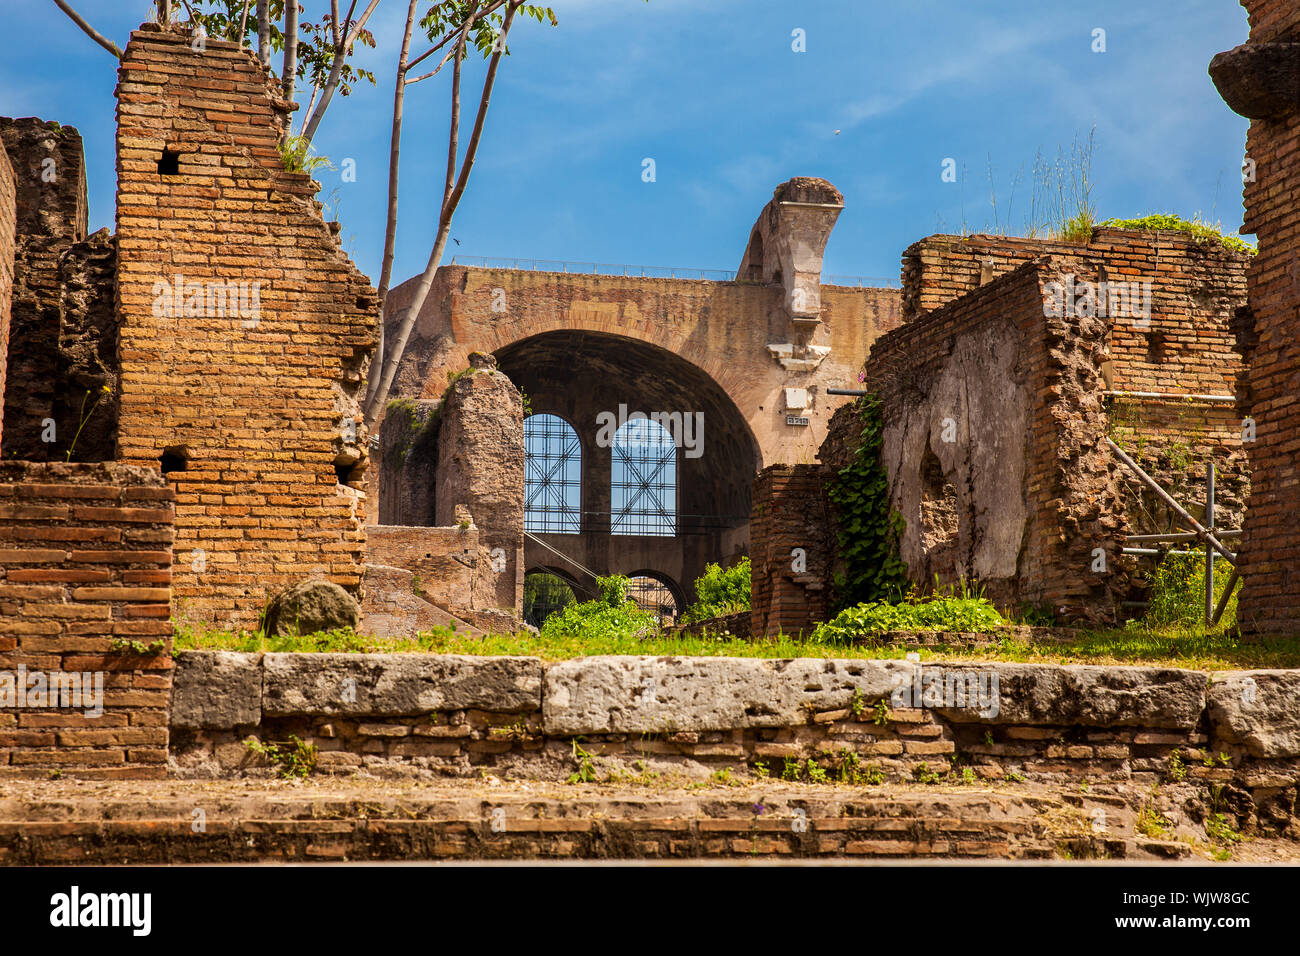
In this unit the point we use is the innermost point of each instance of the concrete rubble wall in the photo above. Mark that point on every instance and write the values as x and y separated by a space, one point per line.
420 714
85 575
480 473
246 331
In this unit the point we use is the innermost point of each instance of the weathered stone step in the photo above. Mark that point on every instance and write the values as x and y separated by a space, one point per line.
178 822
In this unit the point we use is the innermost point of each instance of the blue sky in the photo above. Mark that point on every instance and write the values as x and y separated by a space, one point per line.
712 91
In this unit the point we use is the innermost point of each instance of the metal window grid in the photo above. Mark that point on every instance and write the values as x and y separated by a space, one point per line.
552 476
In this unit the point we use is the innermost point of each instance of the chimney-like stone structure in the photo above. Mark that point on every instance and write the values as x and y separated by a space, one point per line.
787 243
1261 81
246 331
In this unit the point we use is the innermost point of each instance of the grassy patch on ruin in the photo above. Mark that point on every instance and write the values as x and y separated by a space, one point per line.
1176 646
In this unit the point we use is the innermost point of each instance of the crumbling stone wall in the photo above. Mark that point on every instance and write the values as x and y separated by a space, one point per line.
60 400
481 469
451 567
407 462
252 409
1261 80
85 570
8 213
789 550
1188 348
992 439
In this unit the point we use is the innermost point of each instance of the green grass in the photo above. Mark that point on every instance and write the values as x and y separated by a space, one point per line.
1178 646
1197 227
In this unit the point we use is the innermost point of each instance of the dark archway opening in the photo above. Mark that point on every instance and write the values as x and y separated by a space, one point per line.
590 379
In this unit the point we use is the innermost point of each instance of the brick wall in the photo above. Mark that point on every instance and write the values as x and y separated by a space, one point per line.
61 395
1270 550
85 561
789 511
257 409
7 214
993 421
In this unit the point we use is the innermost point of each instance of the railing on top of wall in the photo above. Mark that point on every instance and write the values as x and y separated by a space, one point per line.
647 272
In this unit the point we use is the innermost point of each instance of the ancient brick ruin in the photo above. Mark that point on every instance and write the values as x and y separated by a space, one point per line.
61 393
753 356
250 406
85 575
1261 80
995 414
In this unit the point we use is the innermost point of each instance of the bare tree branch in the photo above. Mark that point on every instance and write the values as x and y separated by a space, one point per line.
336 70
90 31
398 347
243 23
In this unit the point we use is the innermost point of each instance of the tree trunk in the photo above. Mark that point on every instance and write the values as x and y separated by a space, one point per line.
336 70
290 48
264 32
394 356
390 230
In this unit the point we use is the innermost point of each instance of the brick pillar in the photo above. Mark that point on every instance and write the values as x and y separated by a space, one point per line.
1261 80
789 511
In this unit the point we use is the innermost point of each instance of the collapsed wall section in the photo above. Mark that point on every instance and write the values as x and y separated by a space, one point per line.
245 331
85 629
60 399
1173 339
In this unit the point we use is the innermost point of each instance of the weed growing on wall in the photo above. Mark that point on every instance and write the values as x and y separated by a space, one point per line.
721 591
1198 228
868 530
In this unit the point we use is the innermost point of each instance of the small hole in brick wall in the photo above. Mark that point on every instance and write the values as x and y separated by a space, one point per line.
346 473
173 459
170 164
1156 348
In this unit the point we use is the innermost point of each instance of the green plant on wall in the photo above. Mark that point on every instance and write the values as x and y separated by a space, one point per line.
868 530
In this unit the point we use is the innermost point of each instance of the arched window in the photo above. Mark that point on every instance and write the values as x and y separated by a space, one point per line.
653 595
552 475
643 479
544 594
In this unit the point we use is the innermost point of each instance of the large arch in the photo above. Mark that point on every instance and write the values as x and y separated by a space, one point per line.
738 335
593 379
